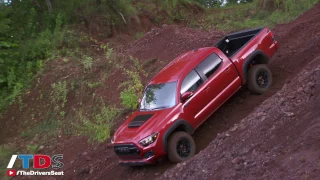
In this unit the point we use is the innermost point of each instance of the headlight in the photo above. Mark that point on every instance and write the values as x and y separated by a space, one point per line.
149 140
112 140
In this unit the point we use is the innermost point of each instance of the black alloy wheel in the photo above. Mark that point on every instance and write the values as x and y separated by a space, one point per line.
183 148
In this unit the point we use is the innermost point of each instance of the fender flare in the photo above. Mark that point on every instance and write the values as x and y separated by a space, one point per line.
248 60
168 132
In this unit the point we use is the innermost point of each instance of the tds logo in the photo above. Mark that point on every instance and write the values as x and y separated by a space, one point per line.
39 161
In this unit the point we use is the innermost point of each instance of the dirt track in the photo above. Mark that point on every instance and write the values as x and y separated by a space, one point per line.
299 41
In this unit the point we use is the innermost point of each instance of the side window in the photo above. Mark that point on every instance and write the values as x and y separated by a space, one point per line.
210 64
191 82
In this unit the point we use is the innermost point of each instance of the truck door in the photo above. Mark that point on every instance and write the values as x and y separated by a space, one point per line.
222 81
193 83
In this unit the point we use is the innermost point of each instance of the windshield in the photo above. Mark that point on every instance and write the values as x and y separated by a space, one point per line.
159 96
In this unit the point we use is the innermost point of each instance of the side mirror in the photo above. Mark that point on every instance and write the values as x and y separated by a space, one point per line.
185 96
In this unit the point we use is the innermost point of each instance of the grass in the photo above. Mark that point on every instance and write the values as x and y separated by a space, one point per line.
48 128
248 15
59 94
32 149
93 84
5 155
133 87
96 127
138 35
87 63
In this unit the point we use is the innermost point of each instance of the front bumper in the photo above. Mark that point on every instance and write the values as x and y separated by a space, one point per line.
133 155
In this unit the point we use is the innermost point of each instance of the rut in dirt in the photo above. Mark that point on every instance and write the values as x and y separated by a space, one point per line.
299 44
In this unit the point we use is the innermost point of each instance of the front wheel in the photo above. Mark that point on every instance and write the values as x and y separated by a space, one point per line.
181 147
259 79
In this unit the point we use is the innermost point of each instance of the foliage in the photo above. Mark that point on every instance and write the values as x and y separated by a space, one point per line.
177 9
5 155
59 96
46 128
32 149
138 35
32 31
216 3
234 17
97 127
87 63
93 84
133 87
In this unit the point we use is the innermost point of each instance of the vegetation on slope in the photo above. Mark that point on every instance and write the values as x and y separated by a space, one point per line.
60 33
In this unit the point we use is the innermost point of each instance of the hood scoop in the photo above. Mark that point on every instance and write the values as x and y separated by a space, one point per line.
139 120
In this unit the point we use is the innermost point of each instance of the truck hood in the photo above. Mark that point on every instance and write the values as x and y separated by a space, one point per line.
140 125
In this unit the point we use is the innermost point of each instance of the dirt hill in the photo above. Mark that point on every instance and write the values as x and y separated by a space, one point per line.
272 136
278 137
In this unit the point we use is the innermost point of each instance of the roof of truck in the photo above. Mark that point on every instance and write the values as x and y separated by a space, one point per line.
185 62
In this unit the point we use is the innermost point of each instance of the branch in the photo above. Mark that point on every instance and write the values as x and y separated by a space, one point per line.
124 20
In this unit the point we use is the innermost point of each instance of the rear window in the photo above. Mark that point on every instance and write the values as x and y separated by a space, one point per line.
210 65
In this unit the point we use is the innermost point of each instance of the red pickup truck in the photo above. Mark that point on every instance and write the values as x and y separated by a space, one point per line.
188 90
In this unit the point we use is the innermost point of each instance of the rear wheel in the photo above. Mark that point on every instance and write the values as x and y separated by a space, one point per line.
181 147
259 79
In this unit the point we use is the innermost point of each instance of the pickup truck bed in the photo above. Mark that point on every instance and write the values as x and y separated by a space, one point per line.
232 43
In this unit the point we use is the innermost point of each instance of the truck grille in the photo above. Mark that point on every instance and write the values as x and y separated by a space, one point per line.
126 150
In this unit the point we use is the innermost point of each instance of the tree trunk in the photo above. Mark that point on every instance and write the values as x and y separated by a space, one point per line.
49 6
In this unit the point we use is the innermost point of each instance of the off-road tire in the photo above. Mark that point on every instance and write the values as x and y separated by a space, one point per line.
252 79
173 142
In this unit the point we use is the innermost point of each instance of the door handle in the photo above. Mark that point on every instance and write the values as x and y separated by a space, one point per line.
206 89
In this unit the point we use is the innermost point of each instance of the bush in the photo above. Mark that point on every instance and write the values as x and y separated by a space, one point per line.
129 98
133 87
97 127
59 95
87 63
252 15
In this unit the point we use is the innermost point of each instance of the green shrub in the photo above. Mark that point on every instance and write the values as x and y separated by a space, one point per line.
133 87
138 35
97 127
129 98
93 84
32 149
47 128
59 94
250 15
87 63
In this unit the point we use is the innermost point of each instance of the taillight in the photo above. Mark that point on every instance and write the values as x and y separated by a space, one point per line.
272 36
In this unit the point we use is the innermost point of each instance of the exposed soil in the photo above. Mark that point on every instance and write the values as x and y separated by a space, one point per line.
264 140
